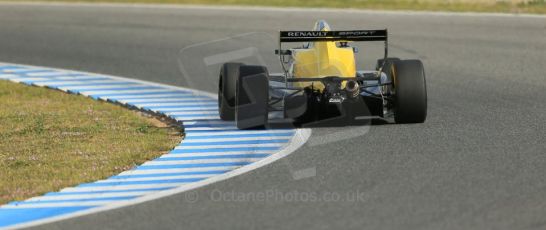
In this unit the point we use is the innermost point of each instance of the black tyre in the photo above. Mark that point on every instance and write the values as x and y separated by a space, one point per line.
226 90
252 97
410 92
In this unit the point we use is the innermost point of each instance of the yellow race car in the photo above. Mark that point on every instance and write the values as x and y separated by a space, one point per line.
320 79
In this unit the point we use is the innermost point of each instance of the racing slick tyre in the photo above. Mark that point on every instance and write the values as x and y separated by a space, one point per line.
251 97
226 90
410 92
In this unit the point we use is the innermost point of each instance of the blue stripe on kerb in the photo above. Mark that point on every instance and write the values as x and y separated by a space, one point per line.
52 81
108 191
212 131
195 115
2 68
181 96
208 125
52 76
182 100
196 105
24 71
151 175
235 136
233 142
178 167
118 198
89 84
140 87
136 94
185 166
219 150
235 156
21 215
45 77
207 109
99 184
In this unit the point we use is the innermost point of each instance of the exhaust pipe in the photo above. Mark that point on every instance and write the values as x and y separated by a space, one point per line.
352 88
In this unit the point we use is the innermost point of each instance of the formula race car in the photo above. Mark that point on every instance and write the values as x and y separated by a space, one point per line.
321 77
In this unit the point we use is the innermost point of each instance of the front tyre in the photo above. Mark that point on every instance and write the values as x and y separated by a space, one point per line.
410 92
226 90
251 97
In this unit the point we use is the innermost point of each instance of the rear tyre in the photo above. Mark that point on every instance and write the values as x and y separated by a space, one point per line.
226 90
251 97
410 92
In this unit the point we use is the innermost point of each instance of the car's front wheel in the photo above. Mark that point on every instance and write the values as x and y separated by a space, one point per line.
251 97
226 90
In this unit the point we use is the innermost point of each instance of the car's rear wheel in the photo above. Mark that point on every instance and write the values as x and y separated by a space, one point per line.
410 92
252 97
226 90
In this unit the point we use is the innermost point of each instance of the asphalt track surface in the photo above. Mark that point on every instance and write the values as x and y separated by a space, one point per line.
478 162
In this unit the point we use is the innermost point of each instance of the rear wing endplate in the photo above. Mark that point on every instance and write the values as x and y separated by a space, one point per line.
318 36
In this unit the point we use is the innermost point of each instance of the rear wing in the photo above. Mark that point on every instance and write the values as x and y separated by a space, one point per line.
328 36
319 36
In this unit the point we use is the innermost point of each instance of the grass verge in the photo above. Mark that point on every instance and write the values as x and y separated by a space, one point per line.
50 140
504 6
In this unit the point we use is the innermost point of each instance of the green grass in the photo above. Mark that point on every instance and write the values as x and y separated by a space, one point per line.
50 140
506 6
